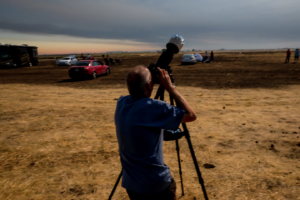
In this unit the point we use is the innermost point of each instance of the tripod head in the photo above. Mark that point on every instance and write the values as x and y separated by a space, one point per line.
173 47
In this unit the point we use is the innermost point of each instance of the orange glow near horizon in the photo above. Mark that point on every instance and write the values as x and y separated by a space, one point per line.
59 44
68 48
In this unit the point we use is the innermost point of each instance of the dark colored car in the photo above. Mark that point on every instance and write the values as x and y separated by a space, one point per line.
88 68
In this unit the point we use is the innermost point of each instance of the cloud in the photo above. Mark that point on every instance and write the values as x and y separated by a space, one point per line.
200 22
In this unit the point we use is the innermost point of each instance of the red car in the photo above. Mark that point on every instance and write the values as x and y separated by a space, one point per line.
88 68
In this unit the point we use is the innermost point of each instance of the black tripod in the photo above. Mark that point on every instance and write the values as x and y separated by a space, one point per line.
160 94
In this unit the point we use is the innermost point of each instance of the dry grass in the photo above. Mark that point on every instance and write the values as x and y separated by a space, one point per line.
59 143
57 137
54 140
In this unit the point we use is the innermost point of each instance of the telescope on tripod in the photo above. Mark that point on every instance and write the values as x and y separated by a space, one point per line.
173 47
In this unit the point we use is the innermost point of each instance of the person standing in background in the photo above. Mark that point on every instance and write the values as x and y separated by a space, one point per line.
105 59
288 54
205 57
296 55
211 55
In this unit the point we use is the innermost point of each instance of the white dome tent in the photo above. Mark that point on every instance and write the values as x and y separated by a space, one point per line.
198 57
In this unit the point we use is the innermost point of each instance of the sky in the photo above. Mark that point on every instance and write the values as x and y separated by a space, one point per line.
94 26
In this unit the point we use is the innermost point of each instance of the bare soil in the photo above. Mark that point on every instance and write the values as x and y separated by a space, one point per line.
231 70
57 136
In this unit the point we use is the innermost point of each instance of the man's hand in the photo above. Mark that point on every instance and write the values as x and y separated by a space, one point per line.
164 79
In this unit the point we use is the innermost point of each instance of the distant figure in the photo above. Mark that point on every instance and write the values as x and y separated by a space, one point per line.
118 60
288 54
105 59
82 56
112 61
211 56
296 55
108 58
205 57
88 56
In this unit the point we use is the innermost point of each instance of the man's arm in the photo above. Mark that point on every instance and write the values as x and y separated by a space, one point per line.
165 81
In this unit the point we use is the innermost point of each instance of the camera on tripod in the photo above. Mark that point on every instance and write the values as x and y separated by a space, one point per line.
154 72
173 47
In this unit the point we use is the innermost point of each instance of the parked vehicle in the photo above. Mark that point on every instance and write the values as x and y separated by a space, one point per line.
17 56
88 68
188 59
70 60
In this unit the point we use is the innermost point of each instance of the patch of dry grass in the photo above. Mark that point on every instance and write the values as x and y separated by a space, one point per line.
60 143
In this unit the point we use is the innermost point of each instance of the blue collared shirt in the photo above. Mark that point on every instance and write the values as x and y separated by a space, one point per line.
139 123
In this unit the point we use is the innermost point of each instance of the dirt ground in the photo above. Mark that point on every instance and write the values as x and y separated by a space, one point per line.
58 140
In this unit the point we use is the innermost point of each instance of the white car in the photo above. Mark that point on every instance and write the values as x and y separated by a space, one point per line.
70 60
188 58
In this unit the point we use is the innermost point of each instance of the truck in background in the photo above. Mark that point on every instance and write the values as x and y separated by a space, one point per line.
18 55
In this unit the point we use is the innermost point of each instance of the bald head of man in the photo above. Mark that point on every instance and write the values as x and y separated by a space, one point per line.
139 82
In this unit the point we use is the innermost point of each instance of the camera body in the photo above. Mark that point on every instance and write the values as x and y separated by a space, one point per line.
173 47
154 72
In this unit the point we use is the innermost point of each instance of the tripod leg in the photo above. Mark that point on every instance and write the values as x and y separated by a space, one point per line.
160 93
116 184
179 164
178 155
201 181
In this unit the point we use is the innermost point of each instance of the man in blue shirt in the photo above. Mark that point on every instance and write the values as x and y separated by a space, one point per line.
140 122
296 55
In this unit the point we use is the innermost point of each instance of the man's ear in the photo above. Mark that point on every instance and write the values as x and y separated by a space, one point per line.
150 85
